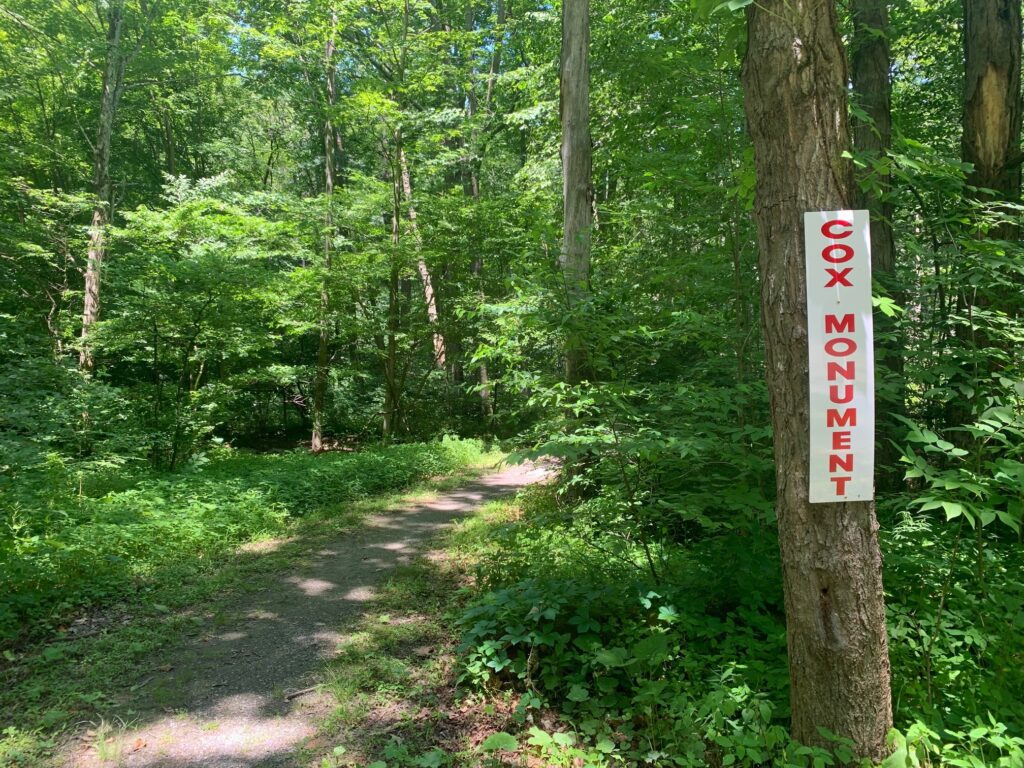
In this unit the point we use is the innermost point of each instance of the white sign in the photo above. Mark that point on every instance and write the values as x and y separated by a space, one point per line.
841 356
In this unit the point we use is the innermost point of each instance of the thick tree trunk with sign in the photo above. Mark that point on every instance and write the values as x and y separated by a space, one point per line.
794 79
577 189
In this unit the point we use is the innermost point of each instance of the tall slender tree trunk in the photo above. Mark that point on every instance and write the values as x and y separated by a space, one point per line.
392 392
496 52
429 296
324 341
794 79
473 186
113 87
577 187
392 395
869 73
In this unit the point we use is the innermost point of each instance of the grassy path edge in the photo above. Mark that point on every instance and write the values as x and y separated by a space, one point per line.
75 686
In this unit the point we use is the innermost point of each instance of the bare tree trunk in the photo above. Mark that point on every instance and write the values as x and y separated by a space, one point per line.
992 97
496 53
473 190
392 393
113 87
324 342
794 79
869 70
992 116
577 189
429 297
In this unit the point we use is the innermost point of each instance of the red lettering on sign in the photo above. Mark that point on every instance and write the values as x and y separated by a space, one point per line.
836 418
835 324
839 277
841 441
849 346
841 484
828 229
847 396
845 253
837 462
847 370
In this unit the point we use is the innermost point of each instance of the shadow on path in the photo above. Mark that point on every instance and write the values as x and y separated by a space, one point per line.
225 701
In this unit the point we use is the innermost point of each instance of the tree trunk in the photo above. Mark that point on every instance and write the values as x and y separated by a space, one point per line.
499 30
577 189
869 70
324 341
429 297
992 118
113 87
794 78
992 98
392 393
473 187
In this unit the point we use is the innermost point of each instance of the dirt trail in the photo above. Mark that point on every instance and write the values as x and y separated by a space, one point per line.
224 702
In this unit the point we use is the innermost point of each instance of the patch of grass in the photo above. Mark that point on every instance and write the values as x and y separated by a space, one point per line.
395 677
76 677
98 550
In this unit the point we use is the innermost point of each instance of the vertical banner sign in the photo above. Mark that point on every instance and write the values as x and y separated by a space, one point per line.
841 356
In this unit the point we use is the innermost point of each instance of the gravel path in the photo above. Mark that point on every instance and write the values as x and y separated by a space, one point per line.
224 701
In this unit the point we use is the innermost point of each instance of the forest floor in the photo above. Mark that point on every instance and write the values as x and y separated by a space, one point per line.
267 683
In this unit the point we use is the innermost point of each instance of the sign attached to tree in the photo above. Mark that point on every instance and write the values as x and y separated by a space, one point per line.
841 356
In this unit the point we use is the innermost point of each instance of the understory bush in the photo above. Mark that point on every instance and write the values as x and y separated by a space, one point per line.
62 554
690 669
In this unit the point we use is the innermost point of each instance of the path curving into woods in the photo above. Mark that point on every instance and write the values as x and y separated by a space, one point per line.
243 695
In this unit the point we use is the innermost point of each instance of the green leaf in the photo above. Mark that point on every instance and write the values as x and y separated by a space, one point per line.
612 657
953 509
500 741
539 738
578 693
732 5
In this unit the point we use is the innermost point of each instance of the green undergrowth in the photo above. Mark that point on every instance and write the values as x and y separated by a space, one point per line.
394 679
59 555
689 668
179 556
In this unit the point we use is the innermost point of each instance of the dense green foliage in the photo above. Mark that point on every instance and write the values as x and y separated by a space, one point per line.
246 266
62 552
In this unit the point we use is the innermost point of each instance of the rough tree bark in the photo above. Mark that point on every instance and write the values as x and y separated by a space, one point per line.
577 187
794 79
992 97
992 117
869 74
110 97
